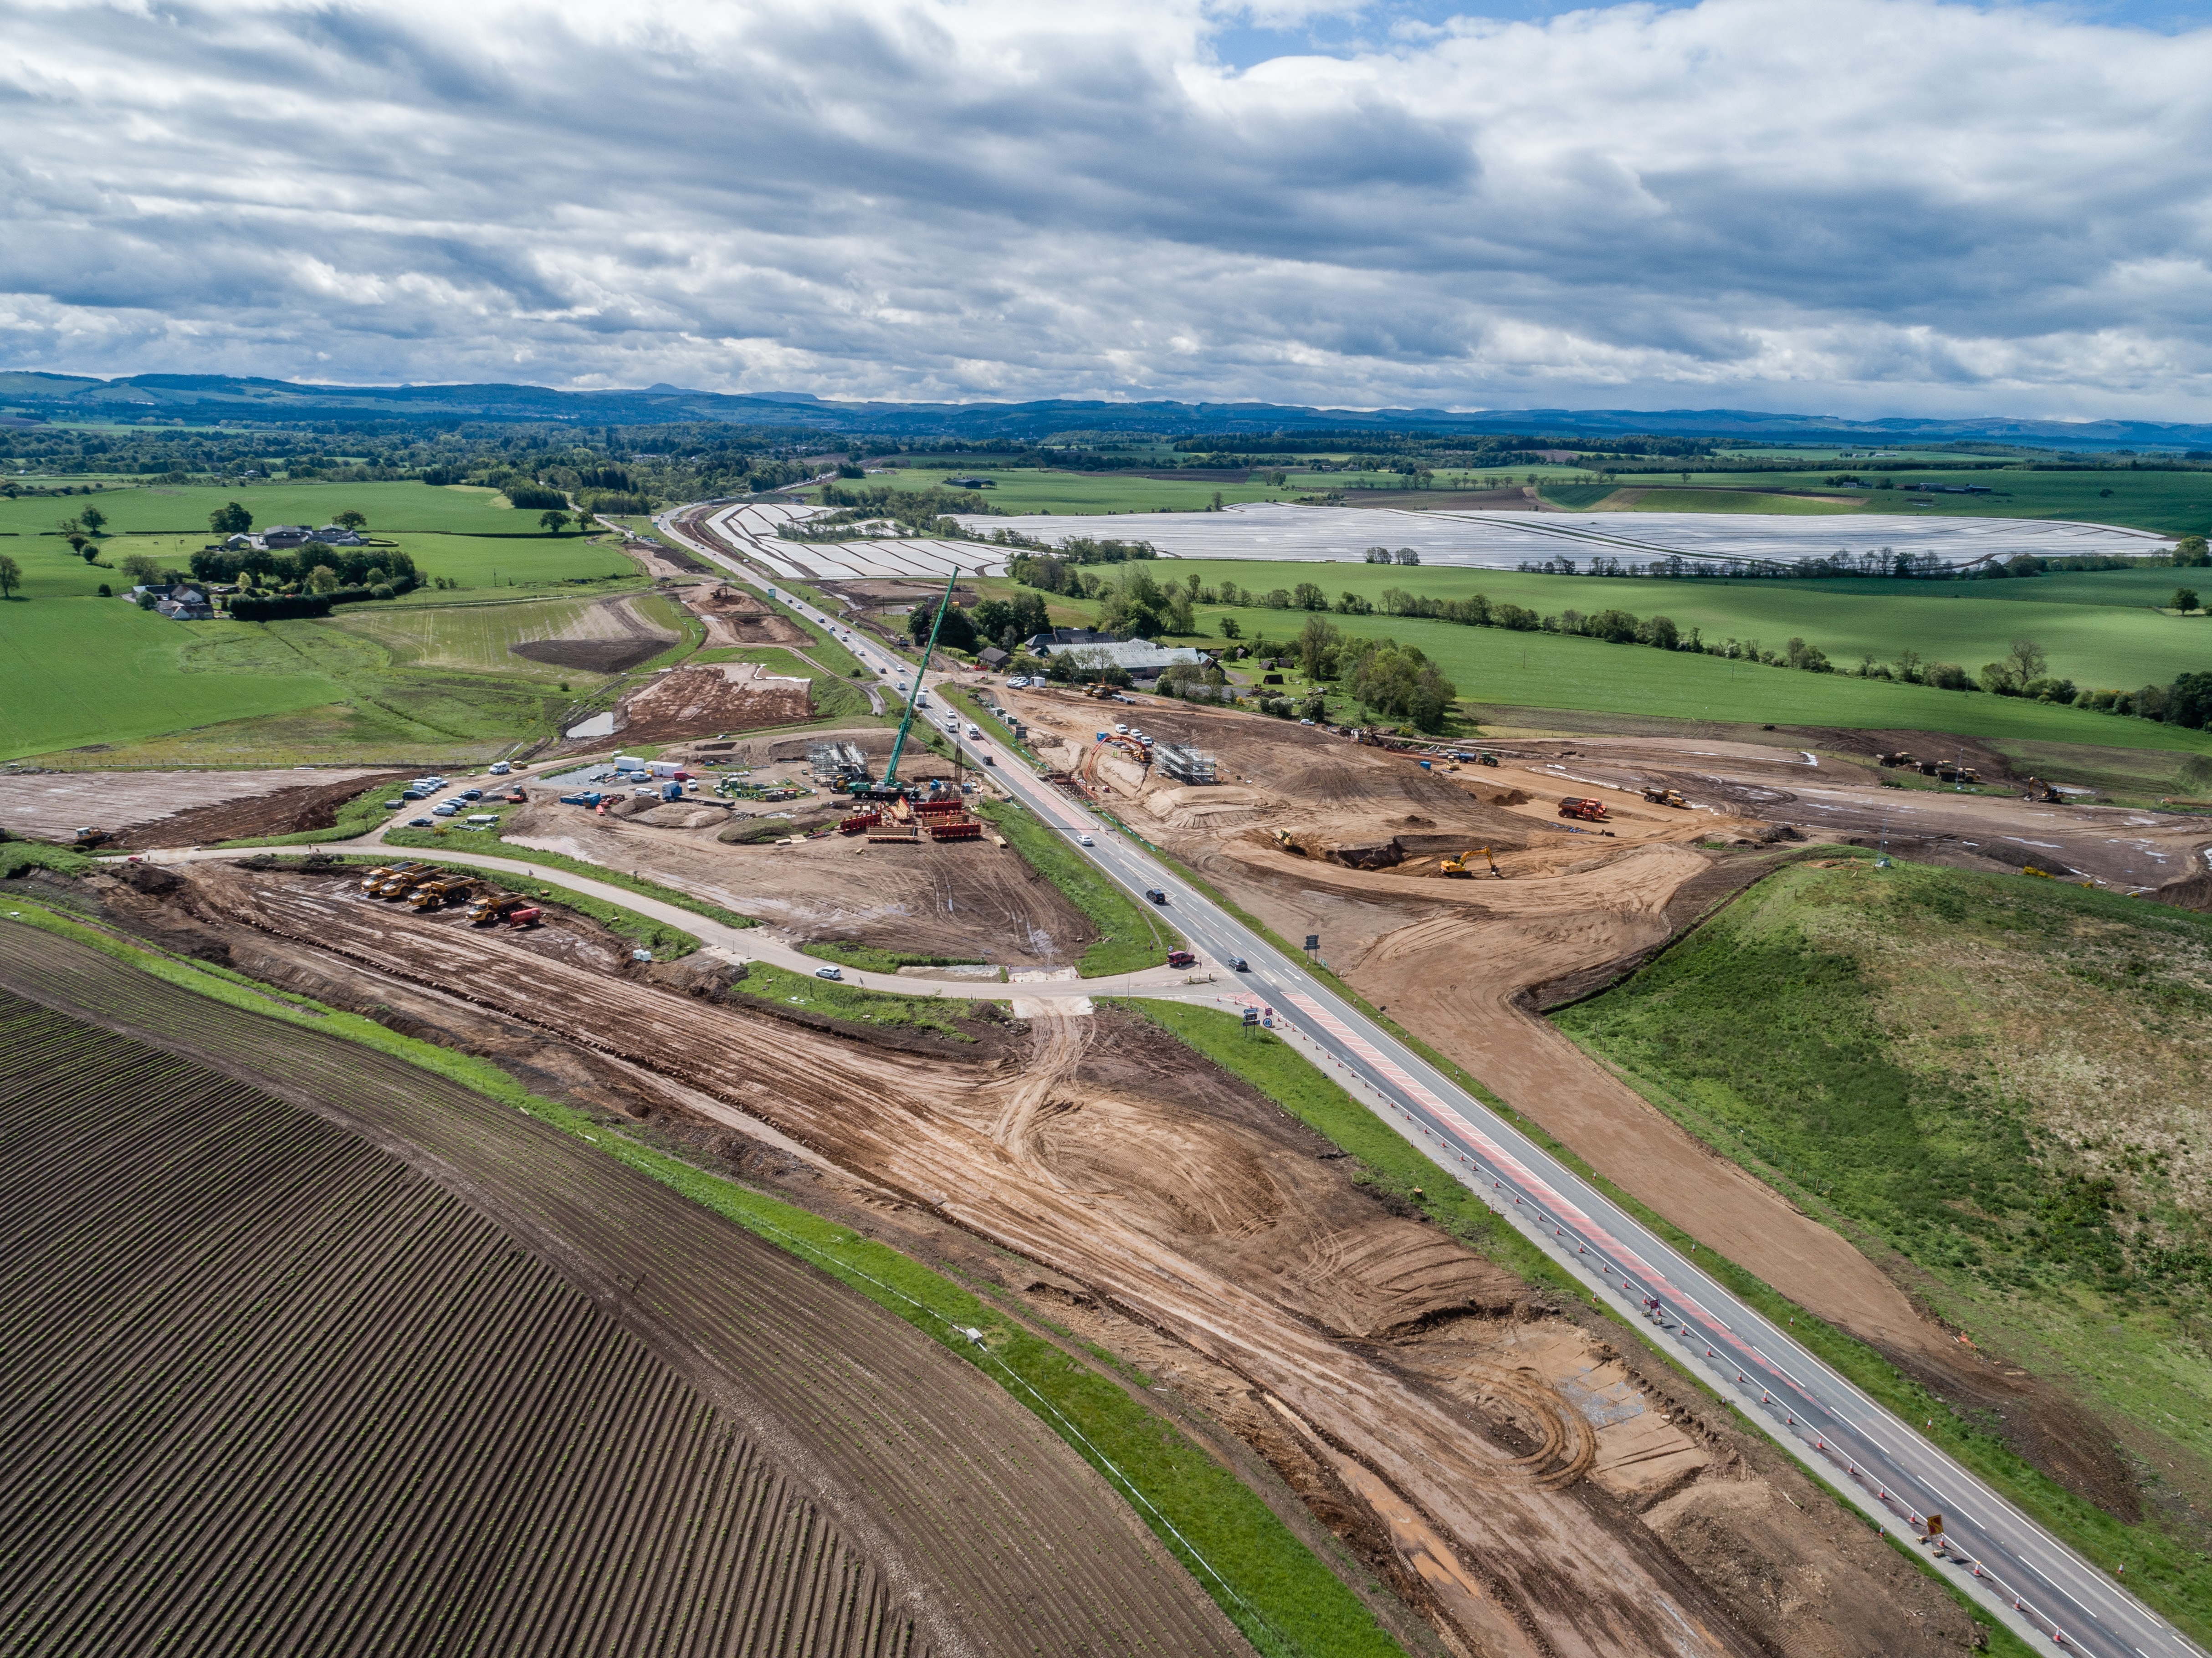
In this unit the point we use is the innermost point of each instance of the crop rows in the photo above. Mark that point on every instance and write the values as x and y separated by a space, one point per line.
991 1534
267 1389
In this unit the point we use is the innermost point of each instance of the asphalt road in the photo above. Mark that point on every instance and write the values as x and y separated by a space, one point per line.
1992 1550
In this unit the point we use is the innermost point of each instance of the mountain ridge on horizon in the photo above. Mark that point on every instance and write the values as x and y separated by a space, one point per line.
212 398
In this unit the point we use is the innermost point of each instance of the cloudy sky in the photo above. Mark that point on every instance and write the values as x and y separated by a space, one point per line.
1855 206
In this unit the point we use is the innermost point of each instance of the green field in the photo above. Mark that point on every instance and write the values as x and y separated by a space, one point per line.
1494 666
1019 492
1662 499
2100 628
86 671
477 637
101 671
183 509
1903 1053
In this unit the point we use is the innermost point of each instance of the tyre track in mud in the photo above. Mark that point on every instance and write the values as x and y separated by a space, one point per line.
1566 1576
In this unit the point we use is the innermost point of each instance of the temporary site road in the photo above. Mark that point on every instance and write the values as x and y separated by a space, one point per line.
1992 1551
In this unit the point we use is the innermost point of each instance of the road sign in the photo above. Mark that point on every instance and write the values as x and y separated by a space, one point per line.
1251 1016
1313 942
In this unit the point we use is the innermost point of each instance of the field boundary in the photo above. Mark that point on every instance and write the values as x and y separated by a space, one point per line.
1037 1373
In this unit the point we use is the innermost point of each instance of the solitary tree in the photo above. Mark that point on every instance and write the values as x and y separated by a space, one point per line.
553 522
231 520
2027 660
352 520
11 576
2183 599
93 520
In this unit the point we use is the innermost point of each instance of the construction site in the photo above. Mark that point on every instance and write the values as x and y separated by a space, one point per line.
1521 1479
1491 1468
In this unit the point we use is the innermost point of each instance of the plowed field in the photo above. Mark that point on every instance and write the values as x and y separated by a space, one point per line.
1552 1499
382 1365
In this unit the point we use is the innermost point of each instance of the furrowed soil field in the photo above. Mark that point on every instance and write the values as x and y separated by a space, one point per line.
1419 1400
381 1362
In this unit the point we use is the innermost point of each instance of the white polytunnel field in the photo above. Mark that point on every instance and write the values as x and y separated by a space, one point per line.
1497 541
1505 541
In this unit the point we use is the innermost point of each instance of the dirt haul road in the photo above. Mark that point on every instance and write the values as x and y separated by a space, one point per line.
1210 1224
1466 963
957 901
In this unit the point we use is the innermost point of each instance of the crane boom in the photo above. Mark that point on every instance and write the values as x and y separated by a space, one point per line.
890 785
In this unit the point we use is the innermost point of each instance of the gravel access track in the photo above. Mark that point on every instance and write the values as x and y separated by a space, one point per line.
452 1379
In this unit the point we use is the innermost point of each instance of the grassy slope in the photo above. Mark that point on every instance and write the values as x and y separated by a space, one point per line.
2000 1078
1131 936
1283 1599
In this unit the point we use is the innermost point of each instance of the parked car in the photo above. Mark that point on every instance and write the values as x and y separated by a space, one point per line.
421 822
394 805
415 794
1181 958
446 809
471 794
828 972
480 819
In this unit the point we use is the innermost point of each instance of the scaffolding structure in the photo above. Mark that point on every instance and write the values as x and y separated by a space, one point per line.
1184 765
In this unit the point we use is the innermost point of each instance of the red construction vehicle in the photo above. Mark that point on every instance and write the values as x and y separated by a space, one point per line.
527 917
1589 811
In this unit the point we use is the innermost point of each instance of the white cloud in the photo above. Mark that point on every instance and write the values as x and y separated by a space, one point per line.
1863 205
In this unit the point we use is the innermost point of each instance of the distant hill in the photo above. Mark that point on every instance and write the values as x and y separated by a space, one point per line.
210 397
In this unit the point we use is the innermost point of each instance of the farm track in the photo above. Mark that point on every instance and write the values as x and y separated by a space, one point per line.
1553 1561
452 1380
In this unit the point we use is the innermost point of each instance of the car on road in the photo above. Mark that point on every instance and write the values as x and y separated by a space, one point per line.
976 730
1181 958
500 769
1238 964
828 972
1124 729
1015 684
1084 841
1156 895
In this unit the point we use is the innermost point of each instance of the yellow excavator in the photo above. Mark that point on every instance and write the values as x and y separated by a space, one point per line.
1457 866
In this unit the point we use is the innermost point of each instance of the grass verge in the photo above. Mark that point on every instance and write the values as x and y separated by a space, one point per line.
779 987
1284 1599
1130 938
488 842
869 959
1383 1158
20 857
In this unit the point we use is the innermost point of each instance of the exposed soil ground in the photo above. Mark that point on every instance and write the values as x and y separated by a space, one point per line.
610 637
734 616
952 1505
961 900
178 808
708 699
1529 1489
1468 964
